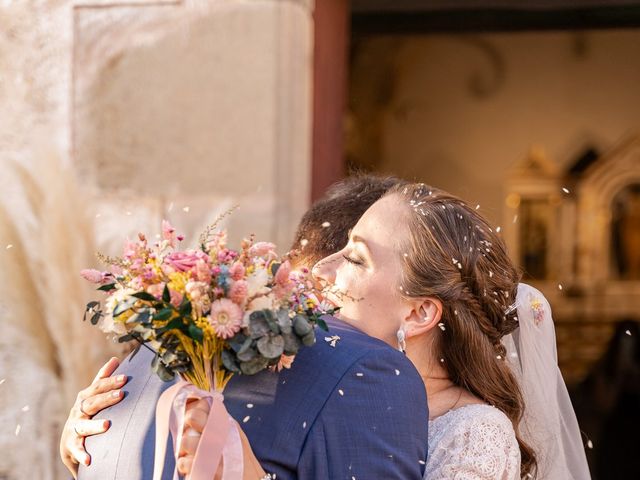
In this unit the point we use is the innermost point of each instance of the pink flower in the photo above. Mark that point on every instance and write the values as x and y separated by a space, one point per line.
237 271
202 271
238 292
168 233
225 317
283 273
184 261
95 276
260 249
196 290
176 298
156 290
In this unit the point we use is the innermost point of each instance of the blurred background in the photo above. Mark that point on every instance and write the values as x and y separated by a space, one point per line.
117 114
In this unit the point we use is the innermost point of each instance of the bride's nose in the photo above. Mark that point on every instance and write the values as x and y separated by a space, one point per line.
324 272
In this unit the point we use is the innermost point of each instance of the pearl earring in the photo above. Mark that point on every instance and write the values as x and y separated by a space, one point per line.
402 344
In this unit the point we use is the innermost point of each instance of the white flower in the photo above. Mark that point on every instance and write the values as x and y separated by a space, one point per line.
256 283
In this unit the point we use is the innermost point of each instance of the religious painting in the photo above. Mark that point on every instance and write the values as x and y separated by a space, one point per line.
535 216
625 233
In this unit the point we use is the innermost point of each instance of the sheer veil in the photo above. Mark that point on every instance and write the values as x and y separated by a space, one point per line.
549 424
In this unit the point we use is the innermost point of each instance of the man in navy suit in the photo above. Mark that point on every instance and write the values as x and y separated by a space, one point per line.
350 409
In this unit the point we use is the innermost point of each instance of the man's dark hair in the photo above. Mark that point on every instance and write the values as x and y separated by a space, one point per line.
324 228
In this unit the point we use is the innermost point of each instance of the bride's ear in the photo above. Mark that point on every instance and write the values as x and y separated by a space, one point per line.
425 314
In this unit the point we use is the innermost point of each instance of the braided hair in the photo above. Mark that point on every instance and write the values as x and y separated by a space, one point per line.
454 255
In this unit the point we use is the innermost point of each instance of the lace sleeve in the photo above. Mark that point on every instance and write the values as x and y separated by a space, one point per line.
476 446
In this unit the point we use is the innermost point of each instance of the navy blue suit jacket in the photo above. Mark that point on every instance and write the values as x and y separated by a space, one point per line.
356 410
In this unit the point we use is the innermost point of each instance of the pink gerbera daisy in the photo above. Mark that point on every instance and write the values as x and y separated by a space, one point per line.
225 317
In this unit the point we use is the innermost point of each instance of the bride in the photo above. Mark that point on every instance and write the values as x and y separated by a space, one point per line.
426 273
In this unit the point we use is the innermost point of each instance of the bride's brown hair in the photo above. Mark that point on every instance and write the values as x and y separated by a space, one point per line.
454 255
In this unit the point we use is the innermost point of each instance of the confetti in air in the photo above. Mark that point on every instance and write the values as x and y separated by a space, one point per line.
2 381
249 405
18 428
397 372
442 327
304 242
359 374
304 424
341 392
498 229
25 408
9 247
559 286
186 209
246 419
478 207
326 225
333 340
590 444
565 189
422 462
490 274
628 332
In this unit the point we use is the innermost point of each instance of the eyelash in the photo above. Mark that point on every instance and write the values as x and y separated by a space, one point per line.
352 261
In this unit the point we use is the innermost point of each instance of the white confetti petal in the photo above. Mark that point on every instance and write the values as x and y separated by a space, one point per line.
246 419
565 189
498 229
9 247
186 209
18 428
25 408
304 242
628 332
304 424
441 325
397 372
490 274
326 225
359 374
2 381
478 207
341 392
421 462
559 286
249 405
590 444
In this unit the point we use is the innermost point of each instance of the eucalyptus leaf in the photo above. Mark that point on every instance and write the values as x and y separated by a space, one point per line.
254 366
309 339
107 288
258 325
301 325
322 324
291 343
248 355
164 373
185 309
229 361
246 345
284 322
271 346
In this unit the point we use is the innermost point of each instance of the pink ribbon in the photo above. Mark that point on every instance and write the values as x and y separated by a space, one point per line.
219 438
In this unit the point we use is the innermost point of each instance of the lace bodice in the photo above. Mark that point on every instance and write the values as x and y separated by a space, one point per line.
474 442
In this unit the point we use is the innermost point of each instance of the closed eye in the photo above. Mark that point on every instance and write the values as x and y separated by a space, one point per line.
352 261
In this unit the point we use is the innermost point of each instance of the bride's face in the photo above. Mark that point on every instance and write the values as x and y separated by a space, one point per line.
364 277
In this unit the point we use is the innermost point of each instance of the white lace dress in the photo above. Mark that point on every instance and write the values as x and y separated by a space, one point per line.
474 442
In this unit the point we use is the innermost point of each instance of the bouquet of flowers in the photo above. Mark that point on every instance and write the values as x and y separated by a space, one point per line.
207 313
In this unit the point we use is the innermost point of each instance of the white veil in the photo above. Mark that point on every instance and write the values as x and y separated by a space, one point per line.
549 424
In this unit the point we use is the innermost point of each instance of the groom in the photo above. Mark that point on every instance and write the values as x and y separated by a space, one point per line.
349 409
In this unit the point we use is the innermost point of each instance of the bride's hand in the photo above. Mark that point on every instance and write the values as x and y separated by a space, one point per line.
197 413
103 392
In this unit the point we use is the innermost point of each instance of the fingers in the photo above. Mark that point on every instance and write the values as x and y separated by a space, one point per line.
103 385
84 428
107 369
184 465
79 455
196 419
189 442
95 403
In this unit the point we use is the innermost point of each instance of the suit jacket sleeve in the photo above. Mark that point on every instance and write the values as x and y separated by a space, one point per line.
373 425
